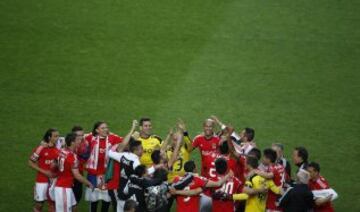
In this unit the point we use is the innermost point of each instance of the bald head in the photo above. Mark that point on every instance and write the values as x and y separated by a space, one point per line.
208 126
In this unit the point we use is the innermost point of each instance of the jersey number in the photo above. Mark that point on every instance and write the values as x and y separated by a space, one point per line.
227 188
212 171
179 165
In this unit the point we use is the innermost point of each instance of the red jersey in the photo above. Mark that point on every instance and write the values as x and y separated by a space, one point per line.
241 169
114 182
104 144
207 147
208 167
230 187
67 161
318 184
45 158
279 177
192 203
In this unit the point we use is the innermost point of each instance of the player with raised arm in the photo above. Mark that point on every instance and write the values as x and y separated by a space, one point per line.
128 162
149 141
244 141
207 142
179 151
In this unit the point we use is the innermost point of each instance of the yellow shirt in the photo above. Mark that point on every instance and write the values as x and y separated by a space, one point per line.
256 203
183 157
149 145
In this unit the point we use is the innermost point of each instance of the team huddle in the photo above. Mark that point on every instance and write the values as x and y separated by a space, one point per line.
142 172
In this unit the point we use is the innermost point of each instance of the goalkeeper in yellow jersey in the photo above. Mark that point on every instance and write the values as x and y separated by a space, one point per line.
148 141
255 189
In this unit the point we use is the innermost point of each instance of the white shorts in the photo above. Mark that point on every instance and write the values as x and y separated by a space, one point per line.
96 195
120 205
64 199
41 191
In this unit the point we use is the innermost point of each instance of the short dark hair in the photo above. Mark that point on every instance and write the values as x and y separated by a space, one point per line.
133 144
130 204
70 138
255 152
48 134
77 128
221 166
156 156
189 166
302 153
315 166
252 161
140 170
97 125
144 119
224 148
161 174
249 133
270 154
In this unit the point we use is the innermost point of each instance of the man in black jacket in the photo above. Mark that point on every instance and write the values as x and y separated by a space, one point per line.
299 198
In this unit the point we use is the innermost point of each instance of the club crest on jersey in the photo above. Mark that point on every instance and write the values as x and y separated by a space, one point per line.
213 146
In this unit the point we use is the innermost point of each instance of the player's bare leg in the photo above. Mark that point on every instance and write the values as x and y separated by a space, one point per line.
38 206
51 206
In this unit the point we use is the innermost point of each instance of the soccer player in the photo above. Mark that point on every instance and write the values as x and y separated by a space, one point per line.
279 149
256 188
300 157
82 155
230 187
68 170
42 160
100 141
207 143
210 163
177 158
188 199
244 142
274 172
148 141
239 157
318 182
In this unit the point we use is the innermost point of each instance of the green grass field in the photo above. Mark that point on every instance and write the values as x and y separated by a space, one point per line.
287 68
